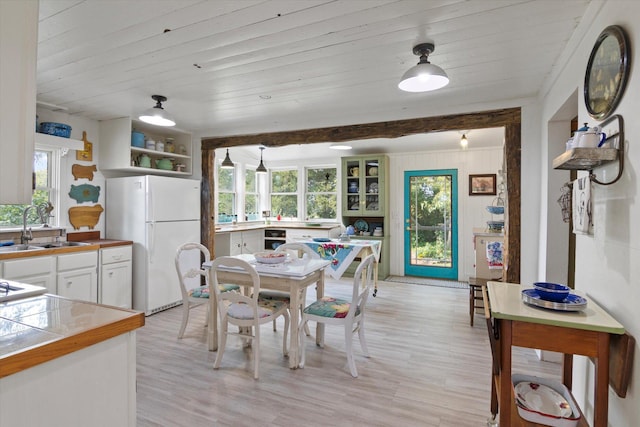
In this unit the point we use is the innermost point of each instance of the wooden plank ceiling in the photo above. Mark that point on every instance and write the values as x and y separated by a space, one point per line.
255 66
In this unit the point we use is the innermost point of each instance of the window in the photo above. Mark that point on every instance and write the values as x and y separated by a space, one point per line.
45 166
226 195
251 196
284 193
321 195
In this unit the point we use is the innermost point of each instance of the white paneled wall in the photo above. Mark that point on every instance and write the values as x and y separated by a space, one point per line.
471 209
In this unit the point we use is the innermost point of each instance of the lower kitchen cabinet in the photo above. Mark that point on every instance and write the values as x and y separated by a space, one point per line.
38 271
77 276
239 242
115 276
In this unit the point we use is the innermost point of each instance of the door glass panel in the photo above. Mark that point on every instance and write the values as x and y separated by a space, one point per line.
430 224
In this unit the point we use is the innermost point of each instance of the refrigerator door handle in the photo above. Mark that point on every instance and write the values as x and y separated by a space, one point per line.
152 235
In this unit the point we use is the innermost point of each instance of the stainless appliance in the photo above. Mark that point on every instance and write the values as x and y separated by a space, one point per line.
159 214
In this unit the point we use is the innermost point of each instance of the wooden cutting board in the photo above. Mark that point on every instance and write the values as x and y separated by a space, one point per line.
80 216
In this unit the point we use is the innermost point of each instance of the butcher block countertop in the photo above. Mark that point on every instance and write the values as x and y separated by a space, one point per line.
274 224
39 329
48 251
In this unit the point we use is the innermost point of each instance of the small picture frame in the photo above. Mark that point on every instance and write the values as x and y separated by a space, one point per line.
482 185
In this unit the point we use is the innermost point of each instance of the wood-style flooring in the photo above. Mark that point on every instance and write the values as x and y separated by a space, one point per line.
427 368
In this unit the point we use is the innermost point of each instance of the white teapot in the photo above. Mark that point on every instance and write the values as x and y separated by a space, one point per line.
592 138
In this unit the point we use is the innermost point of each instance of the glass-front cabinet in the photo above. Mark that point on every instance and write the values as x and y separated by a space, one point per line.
363 185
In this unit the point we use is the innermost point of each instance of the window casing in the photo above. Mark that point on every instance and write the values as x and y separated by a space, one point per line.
46 166
284 193
321 195
226 195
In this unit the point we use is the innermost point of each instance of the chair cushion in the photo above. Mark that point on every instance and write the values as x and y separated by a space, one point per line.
265 308
203 291
330 307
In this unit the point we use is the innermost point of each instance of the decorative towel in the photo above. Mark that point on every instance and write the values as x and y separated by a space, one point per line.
494 255
581 205
341 256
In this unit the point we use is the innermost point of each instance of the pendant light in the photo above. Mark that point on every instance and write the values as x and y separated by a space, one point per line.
464 142
227 163
424 76
261 168
157 115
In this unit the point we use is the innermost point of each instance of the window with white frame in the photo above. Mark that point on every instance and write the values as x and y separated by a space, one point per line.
251 195
284 193
46 164
226 195
321 196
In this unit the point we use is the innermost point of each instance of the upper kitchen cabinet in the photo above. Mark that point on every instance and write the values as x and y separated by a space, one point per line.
363 185
171 154
18 50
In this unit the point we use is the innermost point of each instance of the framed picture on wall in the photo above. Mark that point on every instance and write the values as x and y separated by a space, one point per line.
482 185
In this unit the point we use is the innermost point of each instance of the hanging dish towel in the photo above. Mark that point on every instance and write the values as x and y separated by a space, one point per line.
581 205
494 255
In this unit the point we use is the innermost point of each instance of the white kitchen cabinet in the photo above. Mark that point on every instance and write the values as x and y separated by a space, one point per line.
115 276
239 242
77 276
18 50
294 234
117 153
39 271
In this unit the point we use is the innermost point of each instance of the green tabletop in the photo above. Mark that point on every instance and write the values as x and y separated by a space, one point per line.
505 300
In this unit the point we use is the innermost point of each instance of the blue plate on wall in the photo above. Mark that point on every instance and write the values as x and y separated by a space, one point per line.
572 302
361 225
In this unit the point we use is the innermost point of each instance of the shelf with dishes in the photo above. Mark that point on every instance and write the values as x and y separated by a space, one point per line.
363 185
608 151
134 146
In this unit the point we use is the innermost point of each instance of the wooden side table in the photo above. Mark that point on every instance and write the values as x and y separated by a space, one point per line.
586 333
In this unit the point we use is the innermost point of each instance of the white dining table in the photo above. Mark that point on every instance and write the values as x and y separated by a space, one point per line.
292 276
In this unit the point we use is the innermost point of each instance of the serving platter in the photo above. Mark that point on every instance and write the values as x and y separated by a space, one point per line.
543 399
573 302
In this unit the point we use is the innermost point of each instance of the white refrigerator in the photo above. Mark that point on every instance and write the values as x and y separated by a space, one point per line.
159 214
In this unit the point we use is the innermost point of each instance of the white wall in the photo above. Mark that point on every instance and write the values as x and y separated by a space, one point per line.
78 125
471 209
607 266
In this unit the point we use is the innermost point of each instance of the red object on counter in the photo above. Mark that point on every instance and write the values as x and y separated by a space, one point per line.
278 217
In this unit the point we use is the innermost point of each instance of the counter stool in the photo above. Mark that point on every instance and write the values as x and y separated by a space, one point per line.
475 295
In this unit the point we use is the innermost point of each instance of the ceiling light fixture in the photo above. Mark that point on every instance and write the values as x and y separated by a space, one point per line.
464 142
424 76
227 163
261 168
340 147
157 115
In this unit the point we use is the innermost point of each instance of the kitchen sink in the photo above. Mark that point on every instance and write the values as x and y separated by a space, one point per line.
19 248
60 244
12 290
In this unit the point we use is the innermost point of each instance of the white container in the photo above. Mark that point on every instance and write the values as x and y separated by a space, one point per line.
160 146
540 418
150 144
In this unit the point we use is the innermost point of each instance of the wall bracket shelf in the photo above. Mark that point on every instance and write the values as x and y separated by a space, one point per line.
589 158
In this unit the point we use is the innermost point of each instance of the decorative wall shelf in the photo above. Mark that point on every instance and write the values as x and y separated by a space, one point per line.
589 158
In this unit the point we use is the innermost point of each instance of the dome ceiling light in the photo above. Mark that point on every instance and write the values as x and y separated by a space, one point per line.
157 115
424 76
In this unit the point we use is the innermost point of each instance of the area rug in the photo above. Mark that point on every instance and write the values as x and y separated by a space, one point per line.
428 282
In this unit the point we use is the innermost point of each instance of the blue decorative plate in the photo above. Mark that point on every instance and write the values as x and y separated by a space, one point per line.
321 239
573 302
361 225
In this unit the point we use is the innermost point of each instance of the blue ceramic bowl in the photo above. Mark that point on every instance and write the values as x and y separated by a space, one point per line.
552 291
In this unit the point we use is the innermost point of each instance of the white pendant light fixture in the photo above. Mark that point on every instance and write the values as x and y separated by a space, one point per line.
227 163
424 76
464 142
261 168
157 115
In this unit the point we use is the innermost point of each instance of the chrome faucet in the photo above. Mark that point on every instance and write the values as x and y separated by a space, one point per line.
24 236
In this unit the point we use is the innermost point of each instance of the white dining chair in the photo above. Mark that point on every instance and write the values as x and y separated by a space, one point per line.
345 312
190 278
247 312
297 250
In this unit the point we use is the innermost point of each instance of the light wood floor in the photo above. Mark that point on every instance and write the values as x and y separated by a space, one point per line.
428 368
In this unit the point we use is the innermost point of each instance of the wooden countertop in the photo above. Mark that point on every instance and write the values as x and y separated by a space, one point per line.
274 225
38 329
48 251
108 243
